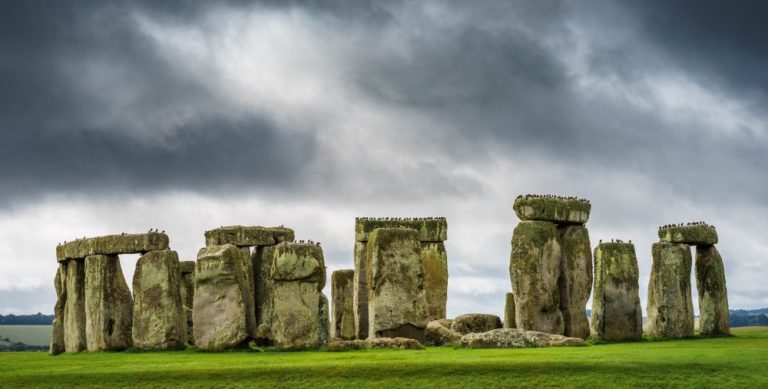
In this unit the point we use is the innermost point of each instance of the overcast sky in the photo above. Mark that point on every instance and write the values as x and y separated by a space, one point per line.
128 115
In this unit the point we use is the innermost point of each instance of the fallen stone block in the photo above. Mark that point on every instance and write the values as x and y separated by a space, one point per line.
74 310
188 295
616 312
158 315
248 236
516 338
714 318
112 244
398 343
57 327
108 305
346 345
343 317
429 229
475 322
509 311
670 307
694 234
438 334
575 283
435 261
552 209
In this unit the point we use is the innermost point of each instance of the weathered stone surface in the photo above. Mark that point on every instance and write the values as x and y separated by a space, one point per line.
74 309
397 304
516 338
534 269
509 311
343 317
475 322
108 304
248 236
575 281
696 234
616 312
399 343
112 244
262 258
158 315
346 345
57 327
299 262
713 294
250 298
556 210
438 334
435 261
670 308
360 291
429 229
187 295
219 306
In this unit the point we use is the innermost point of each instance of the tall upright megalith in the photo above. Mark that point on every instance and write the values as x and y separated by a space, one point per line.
616 312
108 304
509 311
551 264
57 327
343 314
714 318
74 309
187 290
432 233
670 306
397 305
158 315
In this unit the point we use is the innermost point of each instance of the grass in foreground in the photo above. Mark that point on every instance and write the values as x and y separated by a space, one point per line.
738 361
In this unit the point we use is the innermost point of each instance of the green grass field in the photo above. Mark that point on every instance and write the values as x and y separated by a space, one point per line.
737 361
35 335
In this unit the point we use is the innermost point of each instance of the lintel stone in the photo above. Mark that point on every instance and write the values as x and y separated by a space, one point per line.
248 236
112 244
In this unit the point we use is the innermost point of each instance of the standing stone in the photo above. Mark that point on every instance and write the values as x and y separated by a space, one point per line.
575 281
158 315
509 311
57 327
616 312
74 310
670 308
262 281
188 294
219 313
397 305
435 261
360 292
534 269
108 304
250 301
713 295
343 316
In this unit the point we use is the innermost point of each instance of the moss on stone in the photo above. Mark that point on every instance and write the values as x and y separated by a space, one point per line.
108 304
560 211
112 244
699 234
714 318
575 282
670 306
343 316
430 230
299 261
158 314
616 311
248 236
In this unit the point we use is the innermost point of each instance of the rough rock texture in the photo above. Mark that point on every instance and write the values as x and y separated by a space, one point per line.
475 322
74 309
713 294
554 210
346 345
57 327
397 304
158 315
188 294
670 309
435 261
250 297
437 334
360 291
248 236
509 311
219 306
108 304
400 343
262 258
534 269
575 283
516 338
699 234
343 315
112 244
616 312
429 229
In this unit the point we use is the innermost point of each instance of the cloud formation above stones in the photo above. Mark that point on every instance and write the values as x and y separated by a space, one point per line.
124 116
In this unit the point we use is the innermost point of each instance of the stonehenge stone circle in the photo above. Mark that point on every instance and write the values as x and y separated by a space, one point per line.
397 305
219 304
714 318
187 289
551 265
516 338
343 314
616 312
475 322
691 234
299 317
670 307
74 310
108 304
432 233
159 321
112 244
57 327
509 311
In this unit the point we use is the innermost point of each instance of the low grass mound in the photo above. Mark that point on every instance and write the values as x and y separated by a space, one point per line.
737 361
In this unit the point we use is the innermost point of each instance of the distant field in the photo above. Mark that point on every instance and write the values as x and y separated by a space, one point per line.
34 335
738 361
